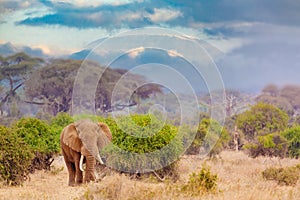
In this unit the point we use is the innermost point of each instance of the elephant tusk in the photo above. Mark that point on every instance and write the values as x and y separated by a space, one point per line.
100 160
81 163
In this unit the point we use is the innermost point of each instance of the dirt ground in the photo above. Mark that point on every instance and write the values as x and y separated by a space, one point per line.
239 177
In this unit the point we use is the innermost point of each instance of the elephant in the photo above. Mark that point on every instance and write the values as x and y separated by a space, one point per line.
81 142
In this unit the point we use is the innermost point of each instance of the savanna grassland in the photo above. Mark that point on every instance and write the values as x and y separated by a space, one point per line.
239 177
264 127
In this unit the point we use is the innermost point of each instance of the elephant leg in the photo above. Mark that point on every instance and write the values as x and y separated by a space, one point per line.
71 170
90 169
79 176
70 166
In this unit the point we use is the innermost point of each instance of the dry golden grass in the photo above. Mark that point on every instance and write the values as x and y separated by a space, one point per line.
239 177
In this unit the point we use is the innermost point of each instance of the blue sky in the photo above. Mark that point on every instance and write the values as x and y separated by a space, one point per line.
261 38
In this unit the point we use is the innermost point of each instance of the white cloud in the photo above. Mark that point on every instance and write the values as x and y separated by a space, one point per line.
131 16
94 16
85 3
163 15
174 53
43 47
135 52
227 45
7 6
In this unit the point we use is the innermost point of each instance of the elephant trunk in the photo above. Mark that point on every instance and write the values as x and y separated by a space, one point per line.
81 162
90 174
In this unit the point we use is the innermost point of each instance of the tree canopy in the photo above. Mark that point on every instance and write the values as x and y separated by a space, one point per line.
14 71
52 86
262 119
286 98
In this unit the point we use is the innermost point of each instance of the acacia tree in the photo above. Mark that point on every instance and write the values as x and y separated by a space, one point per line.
52 86
293 136
271 89
292 94
209 132
262 119
14 71
261 126
277 101
286 98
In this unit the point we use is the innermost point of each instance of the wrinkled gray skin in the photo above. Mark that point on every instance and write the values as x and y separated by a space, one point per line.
81 142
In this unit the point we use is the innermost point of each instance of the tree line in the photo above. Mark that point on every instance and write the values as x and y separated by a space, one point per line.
29 83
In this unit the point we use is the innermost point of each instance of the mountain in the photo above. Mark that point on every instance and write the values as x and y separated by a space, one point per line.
173 68
81 55
8 48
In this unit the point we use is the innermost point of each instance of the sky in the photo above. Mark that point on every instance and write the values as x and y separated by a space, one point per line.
260 39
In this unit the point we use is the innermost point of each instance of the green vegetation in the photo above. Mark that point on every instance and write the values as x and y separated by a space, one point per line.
15 157
40 138
283 176
37 134
132 136
200 183
262 119
143 142
210 135
262 126
141 133
271 145
28 145
293 137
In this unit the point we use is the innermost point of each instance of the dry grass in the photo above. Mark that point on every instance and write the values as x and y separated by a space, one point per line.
44 185
239 178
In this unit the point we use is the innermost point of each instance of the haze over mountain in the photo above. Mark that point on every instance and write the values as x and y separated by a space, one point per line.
8 48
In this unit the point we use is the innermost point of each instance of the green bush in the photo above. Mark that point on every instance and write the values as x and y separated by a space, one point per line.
267 145
41 139
15 157
202 182
61 120
261 119
142 142
209 133
293 137
58 123
283 176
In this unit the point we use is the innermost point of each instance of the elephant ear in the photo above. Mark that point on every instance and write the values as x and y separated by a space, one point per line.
104 136
106 130
71 138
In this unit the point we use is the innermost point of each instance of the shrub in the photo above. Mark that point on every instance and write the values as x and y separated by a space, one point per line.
262 119
267 145
202 182
283 176
15 157
58 123
61 120
41 139
209 133
143 142
293 137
